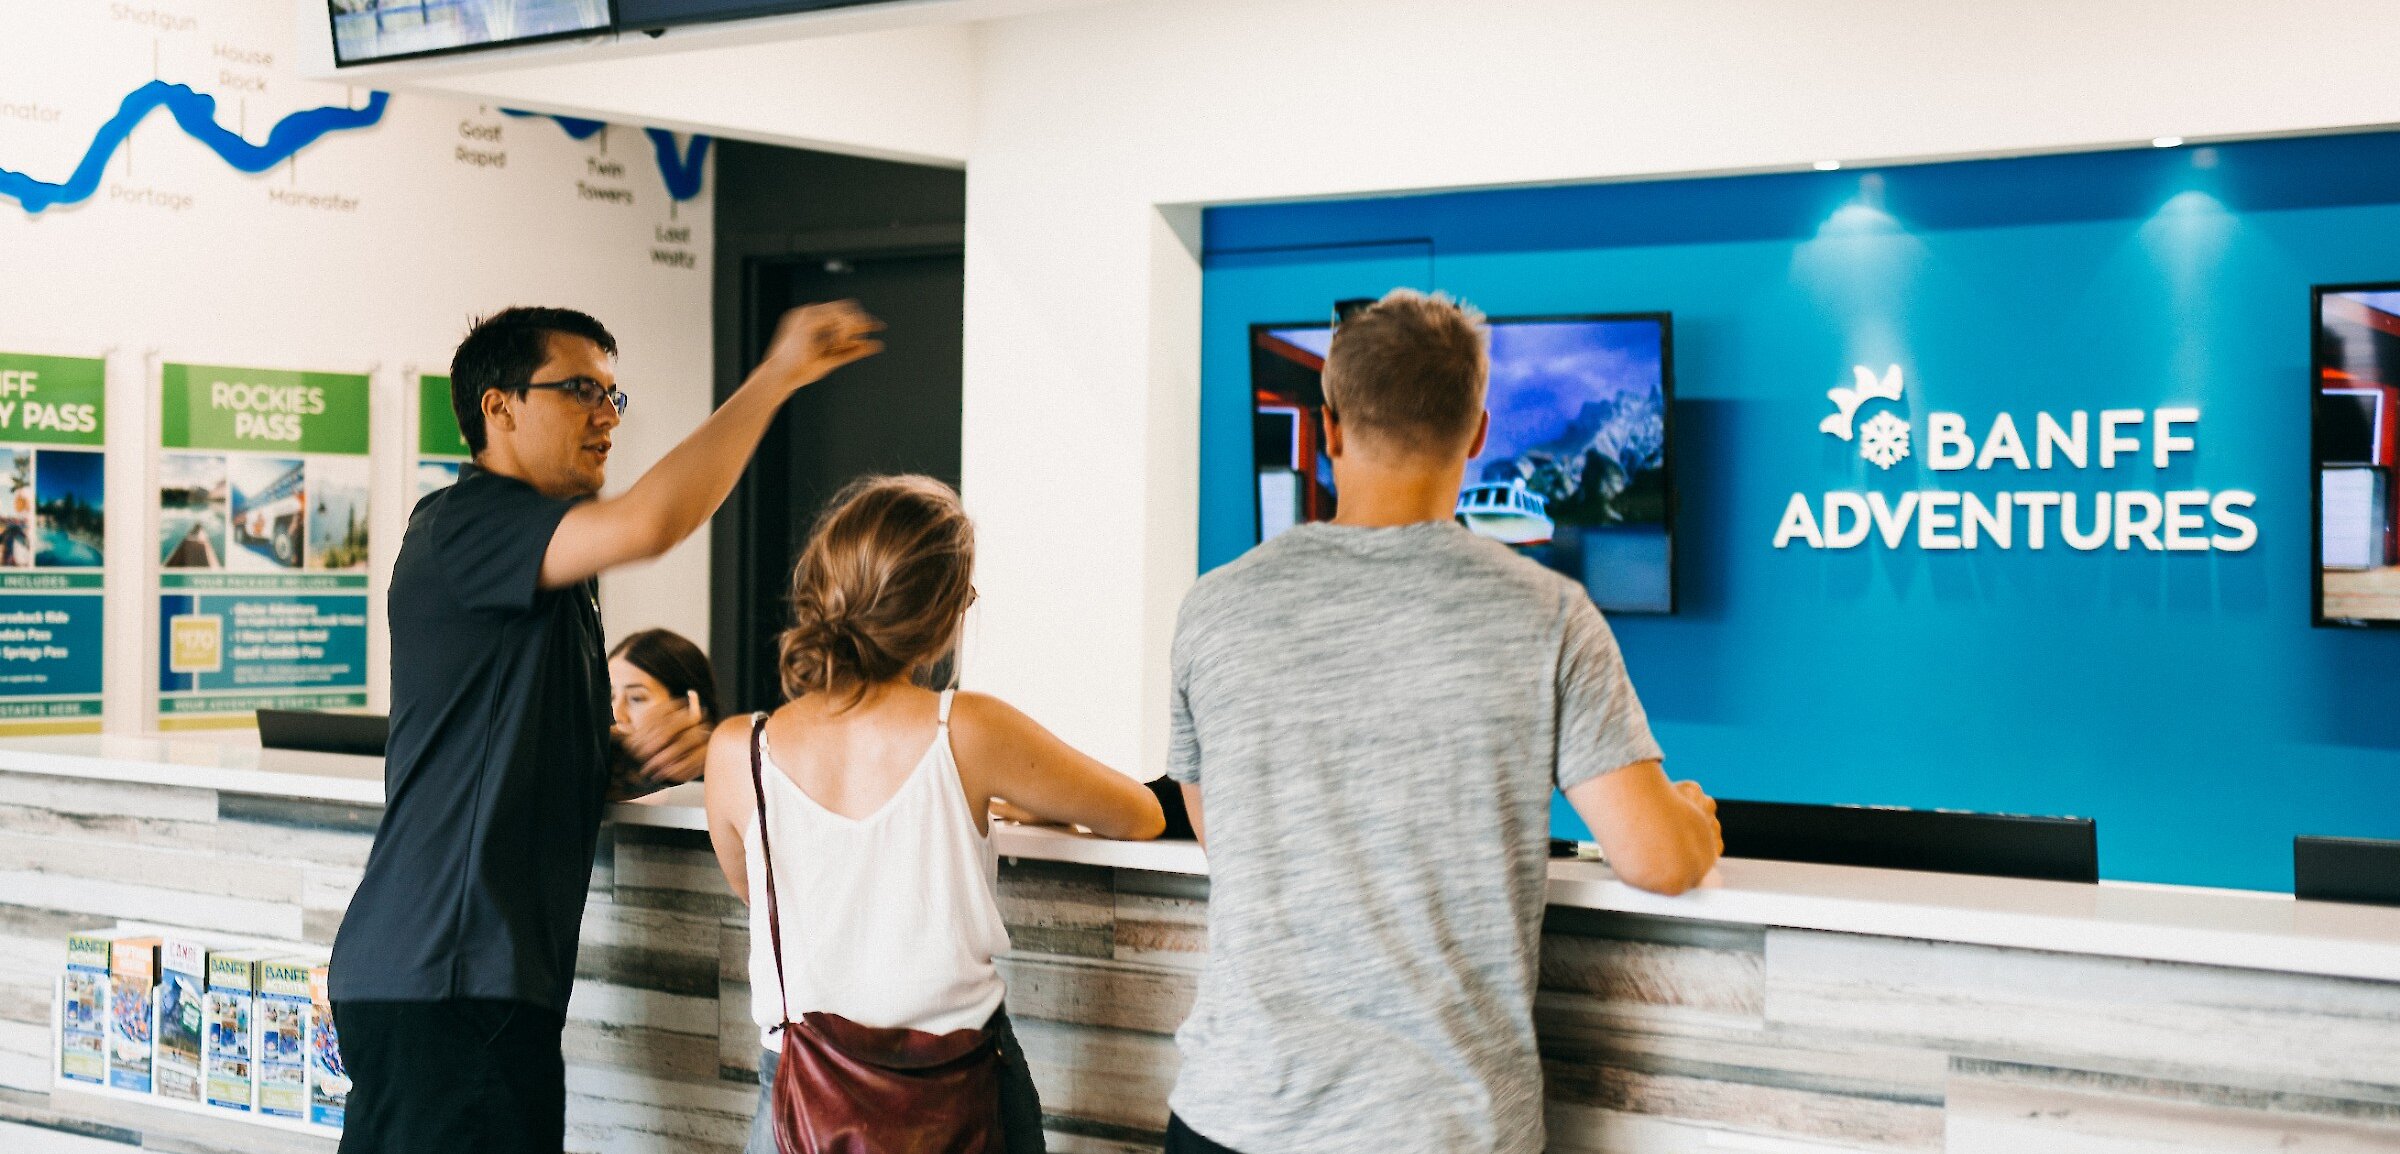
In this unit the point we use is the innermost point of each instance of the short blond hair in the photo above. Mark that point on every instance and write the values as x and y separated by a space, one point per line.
1409 372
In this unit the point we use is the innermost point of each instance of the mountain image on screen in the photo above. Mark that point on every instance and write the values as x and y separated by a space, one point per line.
1575 473
370 30
1605 463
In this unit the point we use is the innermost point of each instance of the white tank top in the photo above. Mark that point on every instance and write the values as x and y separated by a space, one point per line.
890 920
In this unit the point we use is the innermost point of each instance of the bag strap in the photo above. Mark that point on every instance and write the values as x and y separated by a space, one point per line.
766 856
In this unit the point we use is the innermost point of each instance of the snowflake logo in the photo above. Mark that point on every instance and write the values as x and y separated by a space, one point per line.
1846 401
1884 440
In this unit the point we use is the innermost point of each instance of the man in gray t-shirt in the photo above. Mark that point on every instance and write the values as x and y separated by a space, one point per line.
1375 711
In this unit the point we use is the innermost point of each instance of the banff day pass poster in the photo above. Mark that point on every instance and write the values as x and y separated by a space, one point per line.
262 545
53 506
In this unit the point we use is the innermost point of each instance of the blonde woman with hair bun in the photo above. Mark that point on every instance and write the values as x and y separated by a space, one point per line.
875 793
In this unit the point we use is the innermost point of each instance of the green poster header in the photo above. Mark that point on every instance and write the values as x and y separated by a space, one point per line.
437 422
38 582
52 400
261 582
262 410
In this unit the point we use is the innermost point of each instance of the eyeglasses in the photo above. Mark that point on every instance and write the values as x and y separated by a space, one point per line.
587 392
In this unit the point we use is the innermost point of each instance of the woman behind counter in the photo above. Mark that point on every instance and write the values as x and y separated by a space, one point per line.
659 669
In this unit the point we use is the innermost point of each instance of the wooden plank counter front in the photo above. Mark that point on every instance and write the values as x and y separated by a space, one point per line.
1785 1009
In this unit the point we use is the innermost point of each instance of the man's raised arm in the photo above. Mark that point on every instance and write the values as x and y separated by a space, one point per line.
683 490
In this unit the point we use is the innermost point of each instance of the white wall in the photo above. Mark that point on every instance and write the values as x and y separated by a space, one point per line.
181 257
891 80
1082 294
905 94
1221 100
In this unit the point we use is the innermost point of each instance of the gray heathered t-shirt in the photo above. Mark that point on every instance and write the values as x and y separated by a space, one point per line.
1376 718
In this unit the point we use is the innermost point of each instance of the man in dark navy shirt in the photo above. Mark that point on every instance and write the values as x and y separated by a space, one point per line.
453 965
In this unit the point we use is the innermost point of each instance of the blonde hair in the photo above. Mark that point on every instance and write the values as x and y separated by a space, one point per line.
1409 372
881 587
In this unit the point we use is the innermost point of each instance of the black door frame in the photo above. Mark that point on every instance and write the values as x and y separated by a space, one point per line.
741 527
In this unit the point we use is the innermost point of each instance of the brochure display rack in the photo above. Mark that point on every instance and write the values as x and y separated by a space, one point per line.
252 1033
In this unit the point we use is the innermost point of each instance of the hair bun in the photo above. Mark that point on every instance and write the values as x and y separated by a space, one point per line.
880 588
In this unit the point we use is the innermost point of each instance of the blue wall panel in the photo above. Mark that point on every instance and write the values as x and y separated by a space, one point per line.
2181 699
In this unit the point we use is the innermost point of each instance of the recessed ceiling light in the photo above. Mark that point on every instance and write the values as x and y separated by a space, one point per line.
2165 141
1828 165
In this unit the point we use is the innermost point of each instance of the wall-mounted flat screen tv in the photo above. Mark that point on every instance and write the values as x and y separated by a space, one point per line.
2354 394
644 15
1576 474
373 31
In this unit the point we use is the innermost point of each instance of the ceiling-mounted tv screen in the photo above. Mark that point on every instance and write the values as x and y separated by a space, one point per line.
372 31
2354 394
642 15
1576 474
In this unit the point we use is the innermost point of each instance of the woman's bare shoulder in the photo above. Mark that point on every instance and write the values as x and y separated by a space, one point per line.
728 771
985 713
731 734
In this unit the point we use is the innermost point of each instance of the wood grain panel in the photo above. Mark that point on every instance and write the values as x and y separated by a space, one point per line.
2330 1036
107 799
191 871
171 1130
1120 1077
1092 992
1729 983
116 828
1057 908
1854 1121
618 1126
661 950
1065 1143
666 1055
1576 1030
2008 1108
145 903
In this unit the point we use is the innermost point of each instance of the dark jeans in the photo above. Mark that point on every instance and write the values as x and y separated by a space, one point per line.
1181 1139
462 1075
1020 1103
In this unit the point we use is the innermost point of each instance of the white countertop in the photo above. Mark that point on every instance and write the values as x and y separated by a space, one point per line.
2238 928
230 761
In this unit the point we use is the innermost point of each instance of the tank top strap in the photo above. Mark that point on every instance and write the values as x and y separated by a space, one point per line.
947 696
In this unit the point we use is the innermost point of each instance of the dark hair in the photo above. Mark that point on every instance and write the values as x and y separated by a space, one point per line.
674 662
881 587
1409 371
503 350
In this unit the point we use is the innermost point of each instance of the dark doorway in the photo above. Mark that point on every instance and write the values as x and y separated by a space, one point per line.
795 225
893 413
